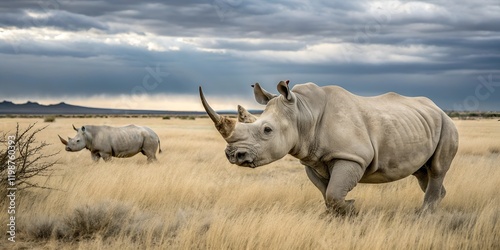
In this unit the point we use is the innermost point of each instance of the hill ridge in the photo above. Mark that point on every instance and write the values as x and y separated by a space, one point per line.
62 108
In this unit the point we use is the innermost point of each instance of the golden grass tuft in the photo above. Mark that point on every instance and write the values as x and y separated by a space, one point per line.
193 198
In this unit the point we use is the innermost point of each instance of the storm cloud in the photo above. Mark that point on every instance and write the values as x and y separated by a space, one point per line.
448 51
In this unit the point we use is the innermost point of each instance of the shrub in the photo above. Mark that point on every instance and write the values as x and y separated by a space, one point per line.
187 117
101 220
105 219
42 228
494 149
166 117
26 157
49 118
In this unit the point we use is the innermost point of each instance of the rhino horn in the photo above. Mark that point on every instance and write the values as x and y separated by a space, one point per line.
62 140
213 115
74 127
224 125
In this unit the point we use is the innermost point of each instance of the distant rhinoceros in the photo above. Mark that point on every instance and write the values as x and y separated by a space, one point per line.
343 139
121 142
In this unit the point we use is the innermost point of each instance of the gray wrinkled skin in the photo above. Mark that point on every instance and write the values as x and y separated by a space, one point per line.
107 142
343 139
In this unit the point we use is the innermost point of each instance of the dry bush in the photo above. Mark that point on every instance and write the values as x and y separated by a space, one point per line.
42 228
30 161
102 221
88 221
494 149
49 118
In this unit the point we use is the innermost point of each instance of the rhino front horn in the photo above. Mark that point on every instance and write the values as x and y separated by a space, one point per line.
62 140
224 125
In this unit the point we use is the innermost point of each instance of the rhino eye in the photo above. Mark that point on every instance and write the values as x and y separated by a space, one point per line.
268 130
78 140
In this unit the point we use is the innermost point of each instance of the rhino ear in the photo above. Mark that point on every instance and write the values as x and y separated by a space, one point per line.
285 91
245 116
261 95
83 128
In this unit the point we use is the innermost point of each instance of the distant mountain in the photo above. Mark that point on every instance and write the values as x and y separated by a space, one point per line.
34 108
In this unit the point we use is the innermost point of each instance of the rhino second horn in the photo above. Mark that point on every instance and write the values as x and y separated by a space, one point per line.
62 140
74 127
224 125
245 116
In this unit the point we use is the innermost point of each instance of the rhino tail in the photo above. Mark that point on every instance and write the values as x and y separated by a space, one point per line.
159 147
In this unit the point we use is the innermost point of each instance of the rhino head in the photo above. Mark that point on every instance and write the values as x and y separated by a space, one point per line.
252 141
76 143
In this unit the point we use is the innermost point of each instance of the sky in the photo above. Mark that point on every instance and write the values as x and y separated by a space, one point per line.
154 54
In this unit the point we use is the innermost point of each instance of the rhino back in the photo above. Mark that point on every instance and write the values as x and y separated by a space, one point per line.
151 133
404 132
127 141
118 141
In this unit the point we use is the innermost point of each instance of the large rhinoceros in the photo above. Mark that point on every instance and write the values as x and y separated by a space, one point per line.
121 142
343 139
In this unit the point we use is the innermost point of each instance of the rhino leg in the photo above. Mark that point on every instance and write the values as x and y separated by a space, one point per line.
435 190
344 176
434 194
151 158
150 154
438 166
106 156
95 156
318 181
149 147
422 177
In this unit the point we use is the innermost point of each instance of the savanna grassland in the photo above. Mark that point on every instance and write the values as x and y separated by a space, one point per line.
193 198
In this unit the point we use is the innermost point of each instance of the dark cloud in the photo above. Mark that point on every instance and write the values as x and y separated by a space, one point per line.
436 48
53 18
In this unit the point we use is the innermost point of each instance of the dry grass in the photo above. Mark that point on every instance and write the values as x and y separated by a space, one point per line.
193 198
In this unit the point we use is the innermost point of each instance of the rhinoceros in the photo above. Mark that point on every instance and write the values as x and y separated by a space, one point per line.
343 139
108 142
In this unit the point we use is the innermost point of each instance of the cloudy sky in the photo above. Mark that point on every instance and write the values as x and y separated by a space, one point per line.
154 54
